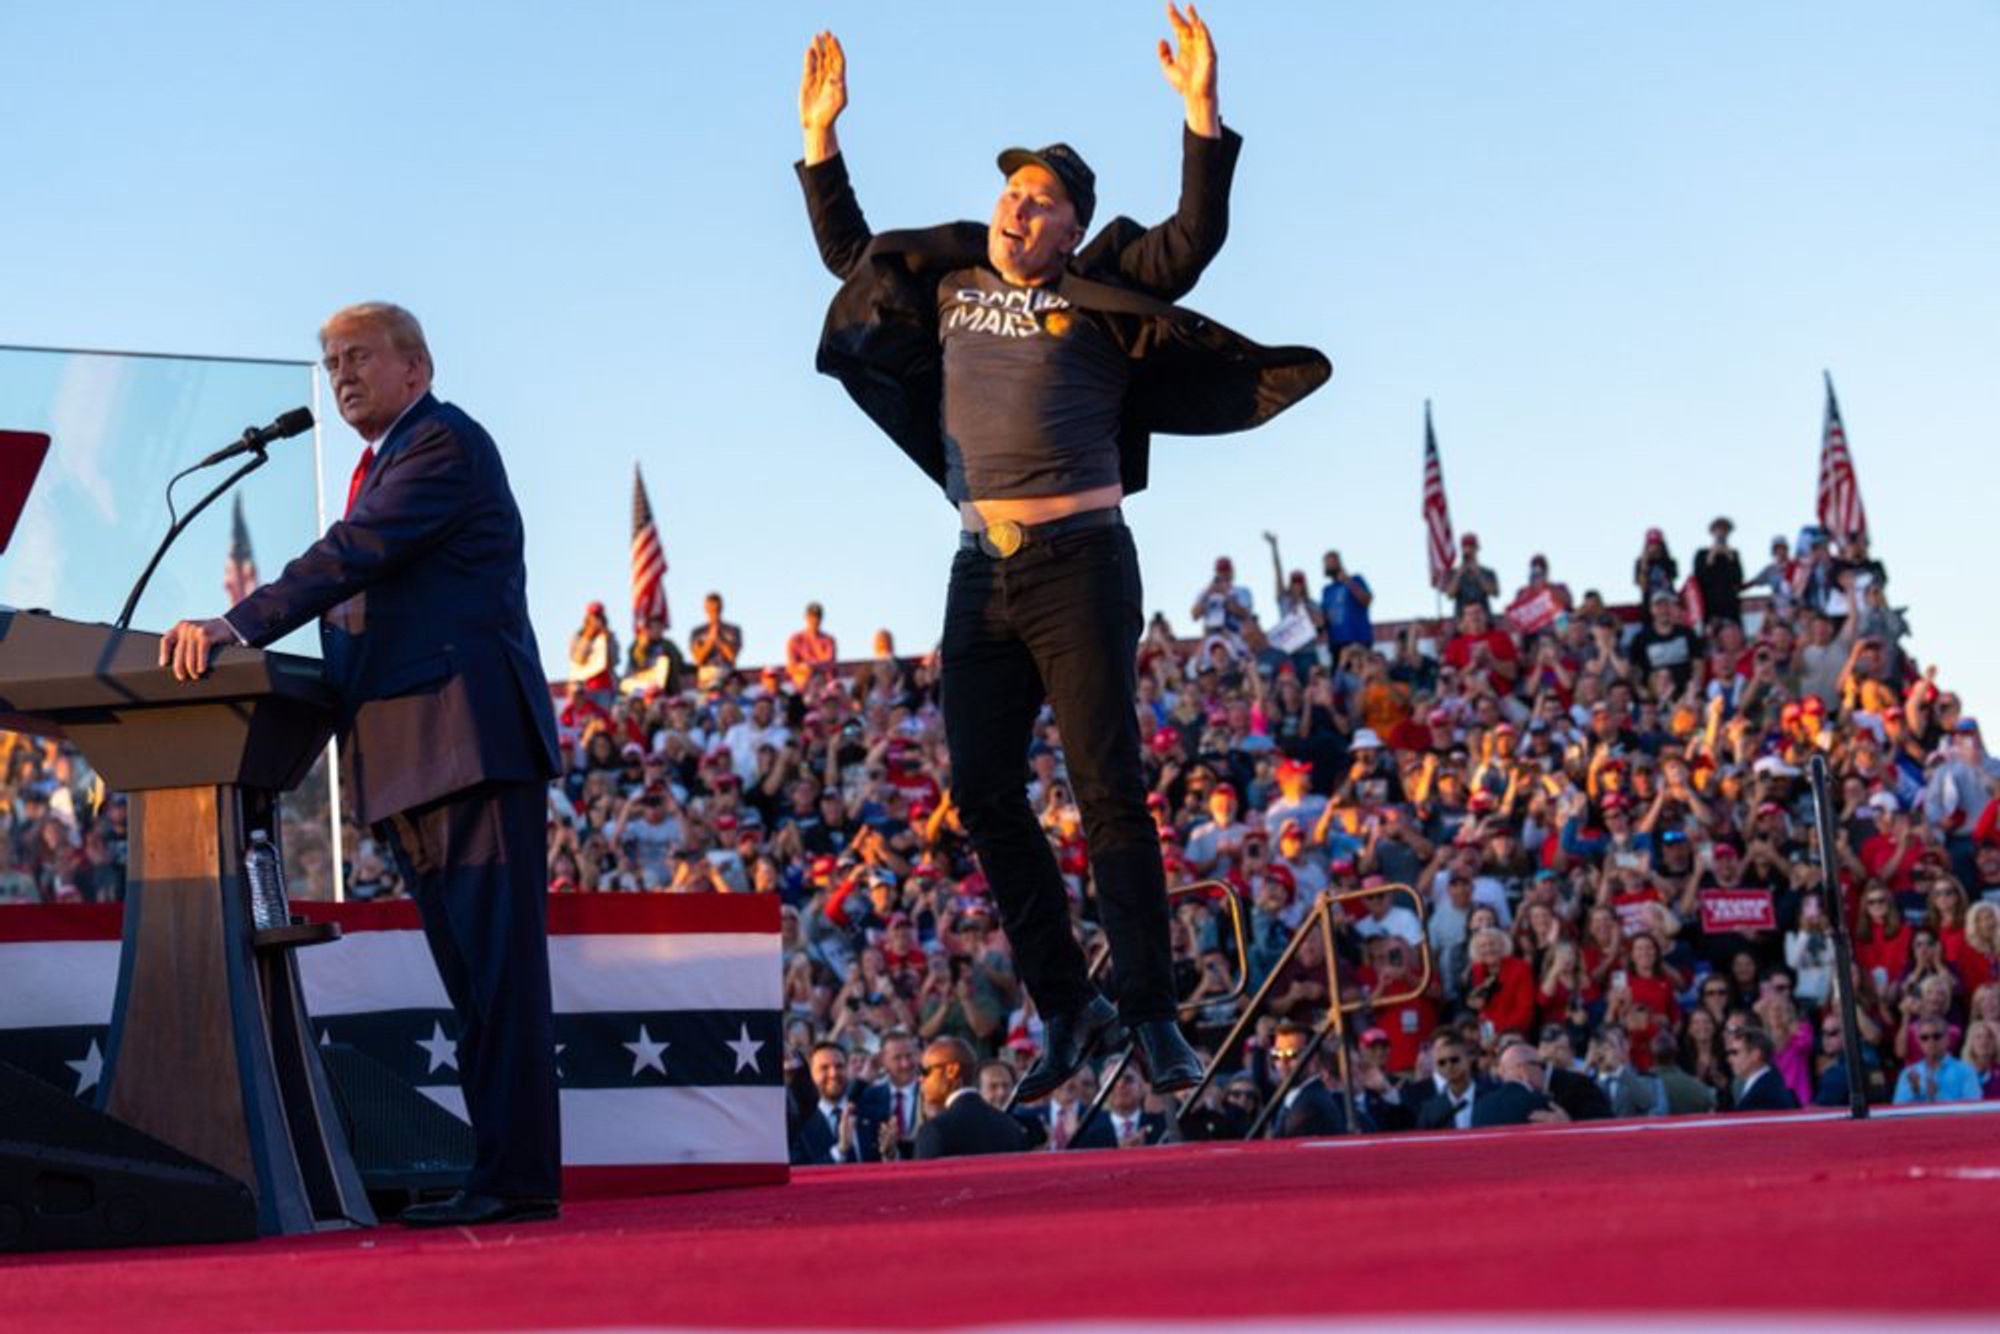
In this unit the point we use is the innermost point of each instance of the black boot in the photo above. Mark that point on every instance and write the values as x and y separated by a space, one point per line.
1171 1063
1071 1039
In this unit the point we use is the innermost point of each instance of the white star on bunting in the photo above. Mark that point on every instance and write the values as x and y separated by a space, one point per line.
646 1053
441 1049
746 1049
88 1070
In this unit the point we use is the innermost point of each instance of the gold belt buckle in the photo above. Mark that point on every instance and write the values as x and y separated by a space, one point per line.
1001 538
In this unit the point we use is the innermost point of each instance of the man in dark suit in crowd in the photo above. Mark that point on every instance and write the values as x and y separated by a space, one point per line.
1382 1101
1310 1107
1456 1086
1123 1122
446 731
895 1100
960 1122
996 1085
1522 1097
1759 1087
1569 1086
835 1128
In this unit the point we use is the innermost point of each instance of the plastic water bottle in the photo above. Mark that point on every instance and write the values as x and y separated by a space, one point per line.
268 907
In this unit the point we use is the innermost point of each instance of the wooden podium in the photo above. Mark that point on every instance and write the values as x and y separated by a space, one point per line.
211 1049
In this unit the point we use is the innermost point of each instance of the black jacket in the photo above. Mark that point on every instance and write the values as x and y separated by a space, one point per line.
1102 1132
1769 1093
1190 376
1435 1111
968 1126
1578 1095
1316 1111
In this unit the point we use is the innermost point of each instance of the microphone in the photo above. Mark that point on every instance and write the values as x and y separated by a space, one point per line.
296 422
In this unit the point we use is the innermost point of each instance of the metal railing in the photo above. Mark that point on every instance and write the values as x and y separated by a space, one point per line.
1207 890
1322 919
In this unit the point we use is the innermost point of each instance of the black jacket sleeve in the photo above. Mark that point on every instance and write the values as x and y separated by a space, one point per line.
1167 259
839 228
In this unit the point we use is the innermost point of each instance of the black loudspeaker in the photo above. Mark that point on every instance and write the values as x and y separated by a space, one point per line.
73 1178
402 1141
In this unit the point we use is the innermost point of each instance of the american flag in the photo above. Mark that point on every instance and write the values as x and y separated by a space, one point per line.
1437 515
1840 511
649 560
239 572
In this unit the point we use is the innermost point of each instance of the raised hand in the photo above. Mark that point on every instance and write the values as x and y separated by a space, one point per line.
1189 67
822 95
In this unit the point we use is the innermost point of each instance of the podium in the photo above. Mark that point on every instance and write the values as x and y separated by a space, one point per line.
211 1049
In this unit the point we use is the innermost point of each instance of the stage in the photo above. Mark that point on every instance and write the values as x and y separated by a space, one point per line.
1806 1220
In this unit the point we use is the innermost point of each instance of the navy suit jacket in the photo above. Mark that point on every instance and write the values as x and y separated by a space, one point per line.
1435 1113
422 591
1101 1133
877 1105
812 1139
1316 1111
1769 1094
1508 1105
969 1126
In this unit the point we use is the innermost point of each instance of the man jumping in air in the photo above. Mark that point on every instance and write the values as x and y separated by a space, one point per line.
1025 373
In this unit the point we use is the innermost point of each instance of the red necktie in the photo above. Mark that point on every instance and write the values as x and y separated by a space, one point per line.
360 476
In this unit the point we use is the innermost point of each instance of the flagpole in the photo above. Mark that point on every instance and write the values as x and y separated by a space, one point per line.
334 815
1437 593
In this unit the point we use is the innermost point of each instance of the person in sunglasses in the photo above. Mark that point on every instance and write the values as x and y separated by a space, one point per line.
1936 1075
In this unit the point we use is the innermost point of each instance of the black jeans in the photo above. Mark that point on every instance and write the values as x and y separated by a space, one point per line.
1060 619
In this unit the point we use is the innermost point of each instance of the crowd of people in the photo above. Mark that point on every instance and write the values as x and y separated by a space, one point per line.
1602 811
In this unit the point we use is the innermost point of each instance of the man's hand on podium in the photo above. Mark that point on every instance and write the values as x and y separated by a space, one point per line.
185 647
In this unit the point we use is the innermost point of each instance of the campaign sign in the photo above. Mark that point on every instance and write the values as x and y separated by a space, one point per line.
1738 910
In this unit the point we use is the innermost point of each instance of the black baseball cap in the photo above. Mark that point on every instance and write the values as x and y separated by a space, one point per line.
1064 163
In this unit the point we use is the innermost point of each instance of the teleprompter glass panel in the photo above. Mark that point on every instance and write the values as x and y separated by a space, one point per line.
120 426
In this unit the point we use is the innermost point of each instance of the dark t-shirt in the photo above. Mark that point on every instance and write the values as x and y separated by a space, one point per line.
1676 650
1033 390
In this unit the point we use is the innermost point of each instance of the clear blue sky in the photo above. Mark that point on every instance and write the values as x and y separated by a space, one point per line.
1615 244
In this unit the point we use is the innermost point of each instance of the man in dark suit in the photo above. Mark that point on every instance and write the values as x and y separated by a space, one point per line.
447 735
1310 1107
834 1128
996 1085
1759 1087
1455 1086
894 1100
1123 1122
1522 1097
960 1121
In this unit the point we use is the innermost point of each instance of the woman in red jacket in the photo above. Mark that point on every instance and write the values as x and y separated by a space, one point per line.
1499 986
1564 986
1944 913
1603 947
1882 938
1641 998
1652 981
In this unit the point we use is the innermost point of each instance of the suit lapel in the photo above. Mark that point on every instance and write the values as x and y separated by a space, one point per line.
398 433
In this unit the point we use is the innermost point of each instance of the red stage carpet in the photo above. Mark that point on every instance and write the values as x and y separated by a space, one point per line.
1879 1222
